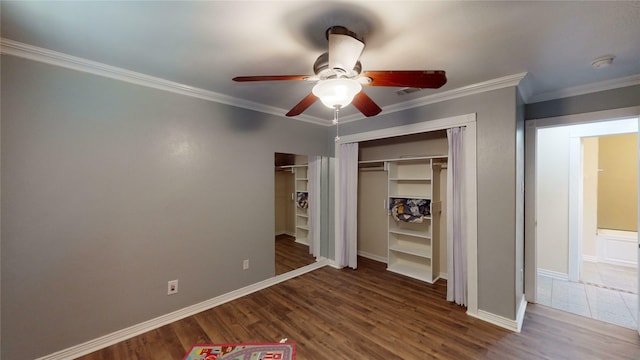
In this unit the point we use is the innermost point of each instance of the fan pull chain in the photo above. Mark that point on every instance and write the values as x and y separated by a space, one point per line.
336 123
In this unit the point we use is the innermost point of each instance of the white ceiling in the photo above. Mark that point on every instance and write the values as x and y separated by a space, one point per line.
205 44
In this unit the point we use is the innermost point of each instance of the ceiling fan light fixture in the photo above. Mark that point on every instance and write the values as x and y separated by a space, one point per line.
344 49
336 93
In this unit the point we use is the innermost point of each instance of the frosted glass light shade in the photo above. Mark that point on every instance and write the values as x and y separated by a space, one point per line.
336 92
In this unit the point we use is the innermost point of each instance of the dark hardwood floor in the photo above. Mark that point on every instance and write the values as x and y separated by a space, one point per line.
370 313
291 255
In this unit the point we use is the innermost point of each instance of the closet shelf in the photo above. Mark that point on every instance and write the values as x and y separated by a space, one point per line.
414 247
425 179
415 250
418 234
407 196
301 219
410 270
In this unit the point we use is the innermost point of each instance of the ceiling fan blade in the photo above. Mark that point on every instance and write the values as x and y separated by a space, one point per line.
302 105
423 79
365 104
271 78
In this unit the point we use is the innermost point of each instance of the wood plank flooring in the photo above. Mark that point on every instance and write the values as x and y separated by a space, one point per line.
291 255
370 313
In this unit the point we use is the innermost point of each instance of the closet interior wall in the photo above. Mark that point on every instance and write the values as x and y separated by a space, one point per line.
372 190
285 189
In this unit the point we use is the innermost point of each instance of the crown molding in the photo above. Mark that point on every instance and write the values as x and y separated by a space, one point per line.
18 49
499 83
586 89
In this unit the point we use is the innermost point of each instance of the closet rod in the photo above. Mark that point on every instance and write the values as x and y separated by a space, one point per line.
377 168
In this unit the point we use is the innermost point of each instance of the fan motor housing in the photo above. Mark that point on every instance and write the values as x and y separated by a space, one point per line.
322 70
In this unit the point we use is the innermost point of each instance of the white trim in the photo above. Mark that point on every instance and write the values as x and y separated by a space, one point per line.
135 330
590 258
623 234
494 84
15 48
468 120
378 258
513 325
575 208
286 233
521 311
605 127
553 274
574 119
26 51
443 275
498 320
586 89
424 126
611 244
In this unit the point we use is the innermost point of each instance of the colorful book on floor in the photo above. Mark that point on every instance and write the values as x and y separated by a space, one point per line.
244 351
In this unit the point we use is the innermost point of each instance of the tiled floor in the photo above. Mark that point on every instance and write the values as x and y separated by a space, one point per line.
607 293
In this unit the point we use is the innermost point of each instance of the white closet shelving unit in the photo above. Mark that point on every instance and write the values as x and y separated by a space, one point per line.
301 214
414 246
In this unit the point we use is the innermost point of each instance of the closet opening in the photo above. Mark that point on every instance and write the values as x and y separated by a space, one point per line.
391 165
402 204
292 213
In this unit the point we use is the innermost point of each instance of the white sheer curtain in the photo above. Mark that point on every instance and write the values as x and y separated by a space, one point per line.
456 235
313 186
347 252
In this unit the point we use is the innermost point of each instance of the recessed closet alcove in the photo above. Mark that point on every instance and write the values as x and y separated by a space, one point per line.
413 167
292 223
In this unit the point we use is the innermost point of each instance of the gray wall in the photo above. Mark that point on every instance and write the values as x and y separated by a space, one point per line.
497 158
109 190
603 100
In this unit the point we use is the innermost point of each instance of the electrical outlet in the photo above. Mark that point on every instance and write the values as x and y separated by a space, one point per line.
245 264
172 287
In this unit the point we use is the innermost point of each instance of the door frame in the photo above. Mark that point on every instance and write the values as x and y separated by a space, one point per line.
531 129
576 195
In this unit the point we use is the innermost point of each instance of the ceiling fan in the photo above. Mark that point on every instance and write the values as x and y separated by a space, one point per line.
340 78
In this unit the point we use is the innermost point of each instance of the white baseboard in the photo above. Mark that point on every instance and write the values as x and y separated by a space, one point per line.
503 322
498 320
443 276
286 233
553 274
590 258
521 311
135 330
375 257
